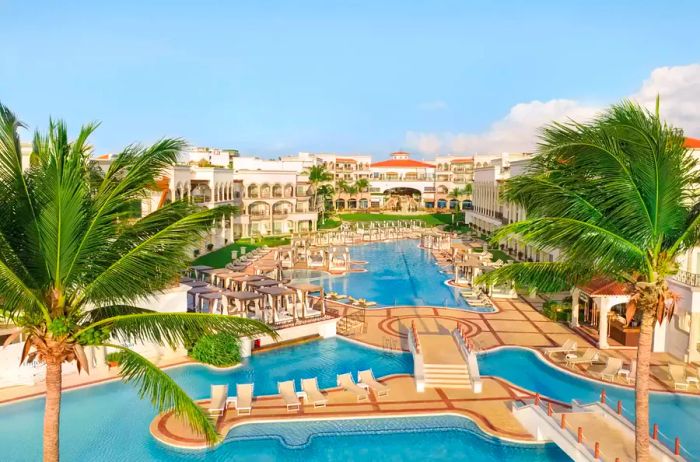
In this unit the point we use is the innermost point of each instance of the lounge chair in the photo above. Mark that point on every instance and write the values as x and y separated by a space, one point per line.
243 401
367 377
219 395
313 394
568 346
289 395
348 383
680 379
587 357
610 370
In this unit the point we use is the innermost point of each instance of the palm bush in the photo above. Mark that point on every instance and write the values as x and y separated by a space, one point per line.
618 197
74 263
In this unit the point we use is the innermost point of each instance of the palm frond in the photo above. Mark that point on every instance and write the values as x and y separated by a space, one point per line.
163 392
149 262
544 276
106 312
173 329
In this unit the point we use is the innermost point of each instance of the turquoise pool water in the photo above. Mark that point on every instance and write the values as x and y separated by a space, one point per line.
398 273
110 423
677 415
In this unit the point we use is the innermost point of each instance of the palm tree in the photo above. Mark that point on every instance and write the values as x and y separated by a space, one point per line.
317 176
457 194
325 192
74 264
617 196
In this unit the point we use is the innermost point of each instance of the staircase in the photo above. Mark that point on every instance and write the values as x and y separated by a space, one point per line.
446 376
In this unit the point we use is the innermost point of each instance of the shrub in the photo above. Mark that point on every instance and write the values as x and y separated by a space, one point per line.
556 311
220 350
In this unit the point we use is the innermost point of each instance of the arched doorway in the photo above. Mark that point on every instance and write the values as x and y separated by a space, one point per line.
340 204
402 199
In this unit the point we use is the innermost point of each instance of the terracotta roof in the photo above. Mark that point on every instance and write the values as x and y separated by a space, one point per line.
103 157
604 286
402 163
692 143
347 161
468 160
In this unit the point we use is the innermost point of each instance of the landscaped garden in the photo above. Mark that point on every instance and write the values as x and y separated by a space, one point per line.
220 257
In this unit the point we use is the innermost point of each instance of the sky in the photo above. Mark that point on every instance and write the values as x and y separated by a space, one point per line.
366 77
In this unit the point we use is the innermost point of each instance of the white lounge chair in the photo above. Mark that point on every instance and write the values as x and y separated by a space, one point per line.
680 379
587 357
313 394
367 377
289 395
219 396
243 402
348 383
611 369
568 346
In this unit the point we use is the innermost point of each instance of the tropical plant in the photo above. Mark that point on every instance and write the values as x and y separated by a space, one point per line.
618 197
325 192
361 185
221 350
318 174
73 270
457 194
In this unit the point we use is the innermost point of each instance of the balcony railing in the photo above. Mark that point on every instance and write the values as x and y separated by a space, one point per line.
688 278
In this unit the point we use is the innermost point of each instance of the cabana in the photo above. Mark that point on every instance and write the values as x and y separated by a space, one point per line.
227 278
285 256
339 259
466 271
195 292
269 269
316 257
304 289
196 270
213 303
278 299
604 302
255 285
238 303
211 274
241 282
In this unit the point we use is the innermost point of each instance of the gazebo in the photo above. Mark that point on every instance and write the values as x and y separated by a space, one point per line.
604 303
304 290
195 292
196 270
278 298
241 282
213 303
240 301
467 270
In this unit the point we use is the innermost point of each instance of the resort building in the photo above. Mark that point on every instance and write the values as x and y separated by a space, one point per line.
490 212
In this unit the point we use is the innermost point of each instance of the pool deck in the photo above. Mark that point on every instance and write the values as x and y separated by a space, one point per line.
517 323
490 410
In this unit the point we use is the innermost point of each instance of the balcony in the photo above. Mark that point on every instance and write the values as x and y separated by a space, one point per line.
687 278
257 216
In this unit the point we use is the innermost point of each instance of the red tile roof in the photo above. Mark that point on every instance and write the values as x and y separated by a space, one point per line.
604 286
402 163
693 143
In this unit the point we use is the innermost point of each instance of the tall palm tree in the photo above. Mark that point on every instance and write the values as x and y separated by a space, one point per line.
318 174
325 192
74 264
618 197
456 193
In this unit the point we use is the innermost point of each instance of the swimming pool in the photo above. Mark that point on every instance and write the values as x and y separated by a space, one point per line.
109 422
397 273
677 415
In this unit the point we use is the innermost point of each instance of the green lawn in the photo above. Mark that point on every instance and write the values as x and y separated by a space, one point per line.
329 223
219 258
497 254
431 219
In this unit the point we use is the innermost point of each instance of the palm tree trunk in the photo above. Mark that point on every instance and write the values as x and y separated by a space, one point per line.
52 410
642 385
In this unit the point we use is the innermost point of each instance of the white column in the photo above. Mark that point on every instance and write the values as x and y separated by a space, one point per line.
231 237
603 323
575 293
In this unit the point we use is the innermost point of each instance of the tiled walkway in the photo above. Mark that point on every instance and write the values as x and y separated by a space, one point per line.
490 410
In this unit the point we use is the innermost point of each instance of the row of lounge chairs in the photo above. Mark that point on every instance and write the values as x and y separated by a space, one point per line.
248 258
614 367
310 393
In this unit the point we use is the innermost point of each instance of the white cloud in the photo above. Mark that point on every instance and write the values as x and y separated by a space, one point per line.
436 105
678 86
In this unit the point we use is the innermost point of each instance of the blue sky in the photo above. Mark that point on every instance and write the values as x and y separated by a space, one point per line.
272 77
